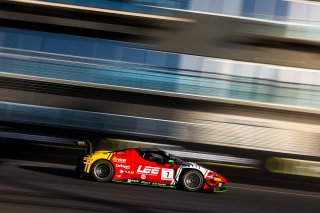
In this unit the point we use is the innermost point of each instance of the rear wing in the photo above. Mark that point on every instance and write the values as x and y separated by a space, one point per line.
86 144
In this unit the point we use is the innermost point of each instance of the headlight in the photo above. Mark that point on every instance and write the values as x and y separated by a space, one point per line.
217 179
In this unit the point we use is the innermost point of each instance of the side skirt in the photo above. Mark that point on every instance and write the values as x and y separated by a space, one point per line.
143 183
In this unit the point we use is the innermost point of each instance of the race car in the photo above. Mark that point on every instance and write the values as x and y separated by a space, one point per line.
149 166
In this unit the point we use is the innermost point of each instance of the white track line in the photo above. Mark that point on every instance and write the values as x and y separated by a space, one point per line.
278 192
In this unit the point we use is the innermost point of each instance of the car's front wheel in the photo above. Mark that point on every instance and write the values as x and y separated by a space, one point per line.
102 171
192 180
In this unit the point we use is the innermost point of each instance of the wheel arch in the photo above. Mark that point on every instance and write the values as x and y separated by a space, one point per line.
185 186
97 155
97 161
184 170
101 159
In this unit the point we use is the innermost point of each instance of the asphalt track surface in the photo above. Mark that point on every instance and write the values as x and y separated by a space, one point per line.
27 186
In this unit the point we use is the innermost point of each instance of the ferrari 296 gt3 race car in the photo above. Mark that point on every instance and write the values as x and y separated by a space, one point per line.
149 166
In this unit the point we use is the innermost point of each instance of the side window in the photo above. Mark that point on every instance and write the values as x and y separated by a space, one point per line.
141 153
154 157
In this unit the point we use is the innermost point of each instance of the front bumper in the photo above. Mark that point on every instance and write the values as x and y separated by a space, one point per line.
219 187
223 189
216 184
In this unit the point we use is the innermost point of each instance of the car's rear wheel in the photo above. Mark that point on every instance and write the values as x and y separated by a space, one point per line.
192 180
102 171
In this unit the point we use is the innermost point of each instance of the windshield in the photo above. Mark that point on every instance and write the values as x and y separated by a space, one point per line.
175 158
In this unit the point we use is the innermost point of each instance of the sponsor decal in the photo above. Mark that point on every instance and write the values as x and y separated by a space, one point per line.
121 171
145 182
150 170
87 160
167 174
123 166
119 160
143 177
158 184
129 172
118 175
122 160
120 153
132 181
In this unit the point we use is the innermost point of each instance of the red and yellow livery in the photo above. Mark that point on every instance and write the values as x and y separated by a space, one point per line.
150 167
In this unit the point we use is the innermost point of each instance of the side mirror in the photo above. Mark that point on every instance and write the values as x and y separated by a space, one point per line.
170 161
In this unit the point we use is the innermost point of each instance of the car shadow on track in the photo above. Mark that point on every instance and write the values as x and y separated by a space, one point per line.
52 171
71 173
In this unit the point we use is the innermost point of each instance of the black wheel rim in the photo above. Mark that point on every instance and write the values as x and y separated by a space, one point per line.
102 171
192 180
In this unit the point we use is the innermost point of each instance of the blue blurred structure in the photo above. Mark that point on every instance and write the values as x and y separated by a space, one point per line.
234 73
141 6
112 63
280 10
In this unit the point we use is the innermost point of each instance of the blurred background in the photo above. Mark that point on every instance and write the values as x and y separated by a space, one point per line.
231 84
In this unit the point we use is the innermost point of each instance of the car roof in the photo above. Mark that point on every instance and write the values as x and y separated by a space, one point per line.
147 149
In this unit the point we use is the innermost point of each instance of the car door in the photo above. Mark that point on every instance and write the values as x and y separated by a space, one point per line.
122 162
152 168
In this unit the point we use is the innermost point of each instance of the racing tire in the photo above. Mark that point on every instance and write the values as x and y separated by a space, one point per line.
102 171
192 180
